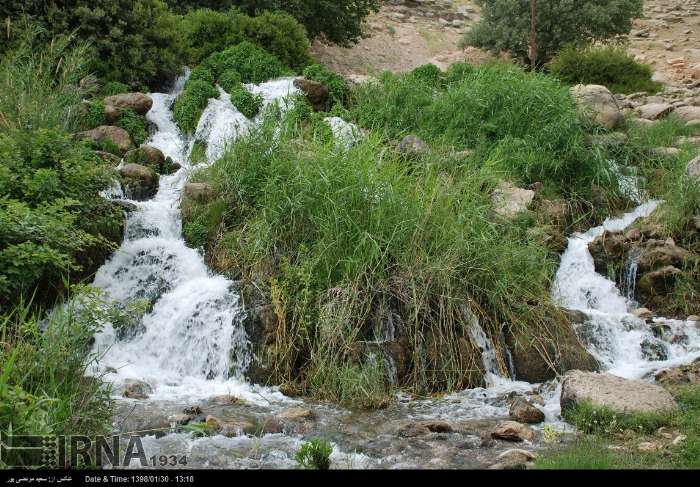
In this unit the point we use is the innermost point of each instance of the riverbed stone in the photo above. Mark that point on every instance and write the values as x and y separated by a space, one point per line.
315 92
513 431
513 459
687 113
117 136
140 182
137 389
681 375
654 111
616 393
137 102
658 282
508 200
598 103
152 157
297 414
524 411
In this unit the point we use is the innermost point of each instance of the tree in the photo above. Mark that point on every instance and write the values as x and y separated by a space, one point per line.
337 21
506 25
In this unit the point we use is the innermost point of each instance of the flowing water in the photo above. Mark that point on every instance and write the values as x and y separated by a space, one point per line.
192 349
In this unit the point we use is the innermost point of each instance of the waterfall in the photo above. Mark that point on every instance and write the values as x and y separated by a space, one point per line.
630 274
615 336
192 341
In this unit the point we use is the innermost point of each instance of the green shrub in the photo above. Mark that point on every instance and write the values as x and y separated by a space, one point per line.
133 123
607 66
246 102
114 88
251 62
230 80
428 73
457 72
280 35
190 104
338 89
135 42
201 73
505 24
93 114
603 421
315 454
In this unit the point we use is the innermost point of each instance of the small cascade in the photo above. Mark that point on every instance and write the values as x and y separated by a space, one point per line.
489 357
617 338
630 274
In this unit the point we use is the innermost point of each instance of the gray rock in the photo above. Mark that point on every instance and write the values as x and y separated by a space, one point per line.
509 200
412 146
693 168
598 103
512 431
116 135
616 393
137 102
688 114
524 411
140 182
654 111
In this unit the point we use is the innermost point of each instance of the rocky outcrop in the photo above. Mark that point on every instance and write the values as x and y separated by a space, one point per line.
688 113
412 145
615 393
541 354
137 102
140 182
654 111
116 136
599 104
685 374
315 92
509 200
152 157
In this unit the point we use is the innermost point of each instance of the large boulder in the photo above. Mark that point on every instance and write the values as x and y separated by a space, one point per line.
615 393
315 92
137 102
688 114
524 411
108 133
152 157
658 282
654 111
599 104
508 200
140 182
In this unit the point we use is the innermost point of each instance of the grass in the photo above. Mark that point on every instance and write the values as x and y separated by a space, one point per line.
614 444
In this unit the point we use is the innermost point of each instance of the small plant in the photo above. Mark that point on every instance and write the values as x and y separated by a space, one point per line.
428 73
246 102
135 124
114 88
315 455
230 80
549 434
191 103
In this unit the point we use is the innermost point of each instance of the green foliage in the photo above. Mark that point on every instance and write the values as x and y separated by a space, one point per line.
93 115
522 124
132 41
457 72
338 89
133 123
44 388
607 66
505 24
202 73
338 21
603 421
428 73
207 31
190 104
114 88
49 188
230 80
246 102
253 63
315 455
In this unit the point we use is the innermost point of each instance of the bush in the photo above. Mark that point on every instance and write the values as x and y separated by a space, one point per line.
202 73
190 104
246 102
135 124
230 80
114 88
505 25
251 62
135 42
280 35
607 66
338 89
457 72
315 454
428 73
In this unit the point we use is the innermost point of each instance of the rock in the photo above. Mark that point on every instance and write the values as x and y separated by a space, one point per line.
272 426
127 206
513 431
192 410
108 157
509 200
659 282
412 146
140 182
616 393
684 374
198 191
153 158
421 428
296 414
657 253
513 459
665 152
599 104
213 424
693 168
654 349
108 133
524 411
232 429
112 113
687 114
649 447
137 389
137 102
654 111
693 318
225 400
643 313
315 92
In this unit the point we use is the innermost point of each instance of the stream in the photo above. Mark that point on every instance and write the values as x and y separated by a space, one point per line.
192 348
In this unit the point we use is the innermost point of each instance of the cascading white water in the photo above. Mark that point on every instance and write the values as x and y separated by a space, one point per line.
614 335
192 341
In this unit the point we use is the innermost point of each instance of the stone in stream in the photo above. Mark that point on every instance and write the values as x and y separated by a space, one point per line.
140 182
598 103
152 157
658 282
296 414
512 431
137 389
513 459
108 133
108 157
524 411
684 374
620 395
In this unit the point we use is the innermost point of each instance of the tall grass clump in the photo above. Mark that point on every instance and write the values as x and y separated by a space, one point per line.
190 104
342 240
609 66
522 124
